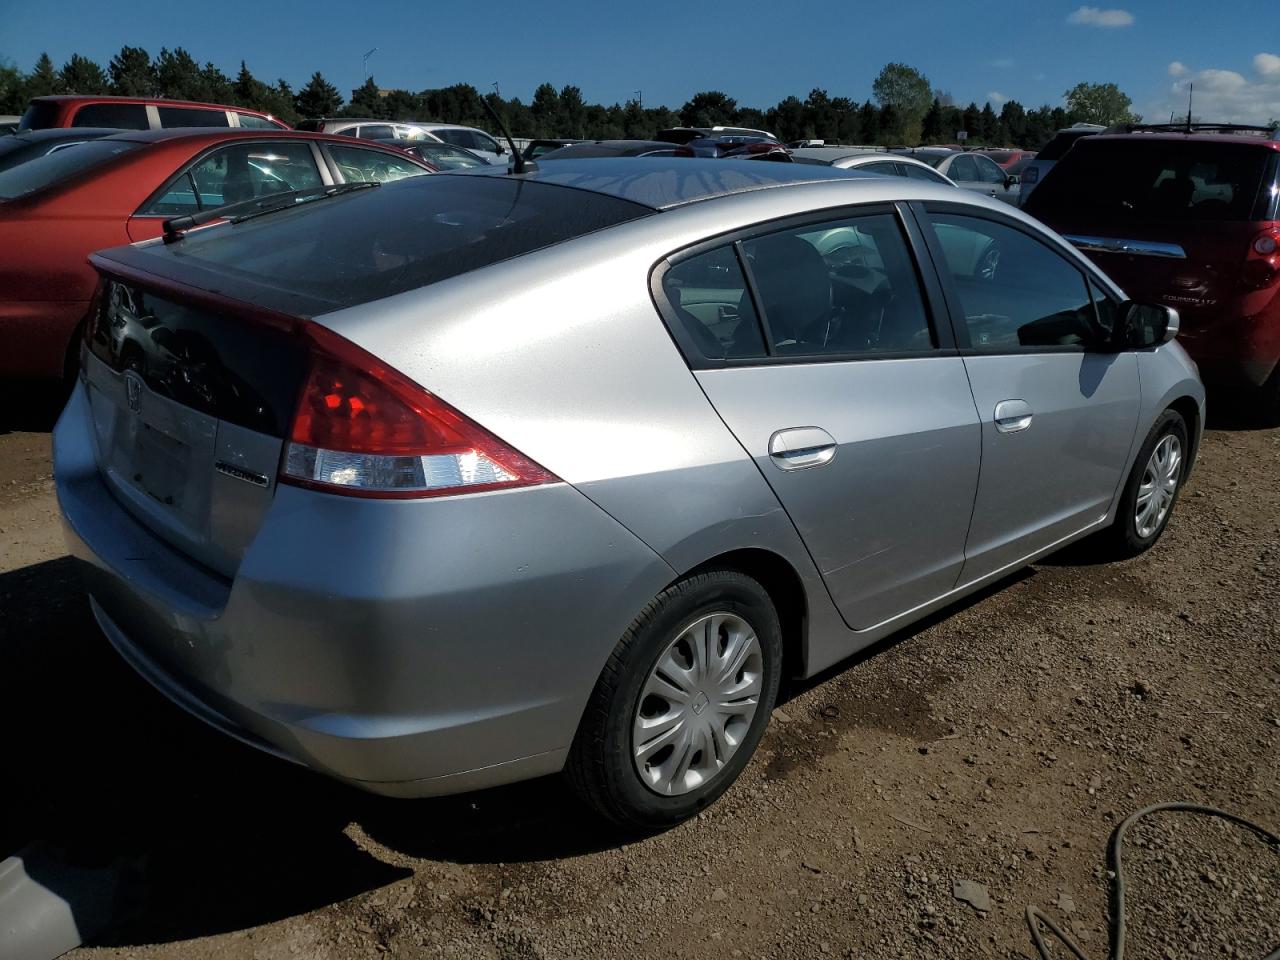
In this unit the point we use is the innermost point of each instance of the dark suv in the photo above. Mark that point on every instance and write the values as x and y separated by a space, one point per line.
1191 220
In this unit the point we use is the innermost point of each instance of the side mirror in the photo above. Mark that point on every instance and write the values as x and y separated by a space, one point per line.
1012 181
1144 325
501 149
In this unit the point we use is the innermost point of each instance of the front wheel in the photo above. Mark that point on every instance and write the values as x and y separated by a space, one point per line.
1152 488
682 702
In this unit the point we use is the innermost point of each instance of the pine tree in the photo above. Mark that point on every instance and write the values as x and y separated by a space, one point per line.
132 73
319 98
178 75
248 90
44 79
82 75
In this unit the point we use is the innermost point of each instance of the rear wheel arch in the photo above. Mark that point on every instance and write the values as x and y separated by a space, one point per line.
785 588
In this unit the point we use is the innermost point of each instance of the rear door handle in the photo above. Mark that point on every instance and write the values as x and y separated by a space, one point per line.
798 448
1013 416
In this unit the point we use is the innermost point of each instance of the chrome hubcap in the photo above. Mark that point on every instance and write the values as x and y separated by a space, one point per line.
697 704
1159 484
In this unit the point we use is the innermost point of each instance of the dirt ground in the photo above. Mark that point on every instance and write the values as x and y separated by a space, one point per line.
997 745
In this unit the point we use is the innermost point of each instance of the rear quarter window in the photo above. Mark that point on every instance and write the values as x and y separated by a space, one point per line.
39 115
192 117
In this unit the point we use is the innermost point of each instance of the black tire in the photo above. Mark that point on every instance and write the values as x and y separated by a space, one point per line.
1121 539
600 766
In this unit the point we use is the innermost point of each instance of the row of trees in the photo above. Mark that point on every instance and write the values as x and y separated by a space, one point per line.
905 108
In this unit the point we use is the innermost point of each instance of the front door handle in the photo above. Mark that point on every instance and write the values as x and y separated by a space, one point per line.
798 448
1013 416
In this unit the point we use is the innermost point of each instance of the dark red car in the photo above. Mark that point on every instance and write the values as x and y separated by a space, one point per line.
139 113
1191 220
1007 158
58 209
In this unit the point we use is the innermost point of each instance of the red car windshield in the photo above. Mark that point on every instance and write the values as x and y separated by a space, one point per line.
1166 180
43 171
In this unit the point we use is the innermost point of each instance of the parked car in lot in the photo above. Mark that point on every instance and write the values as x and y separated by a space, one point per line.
1052 152
469 138
8 124
27 145
617 148
416 490
736 146
139 113
1191 221
685 134
367 129
441 156
968 170
56 210
1006 159
540 148
870 161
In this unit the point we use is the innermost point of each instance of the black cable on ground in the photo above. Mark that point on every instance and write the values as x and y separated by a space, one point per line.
1116 928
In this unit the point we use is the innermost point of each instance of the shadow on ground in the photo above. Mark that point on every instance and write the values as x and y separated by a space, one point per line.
202 834
30 407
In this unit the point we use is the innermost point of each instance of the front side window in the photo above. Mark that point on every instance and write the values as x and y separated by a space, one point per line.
1016 292
247 171
963 169
988 170
709 297
250 122
846 287
122 116
192 117
358 165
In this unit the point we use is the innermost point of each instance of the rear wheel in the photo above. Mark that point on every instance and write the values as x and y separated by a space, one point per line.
1152 488
682 702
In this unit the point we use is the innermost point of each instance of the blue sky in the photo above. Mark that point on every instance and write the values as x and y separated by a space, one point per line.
755 50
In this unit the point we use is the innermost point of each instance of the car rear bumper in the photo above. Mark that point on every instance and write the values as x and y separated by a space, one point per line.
1239 344
410 648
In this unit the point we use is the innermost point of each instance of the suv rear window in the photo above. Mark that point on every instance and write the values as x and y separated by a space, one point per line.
43 171
375 243
124 116
1170 180
40 115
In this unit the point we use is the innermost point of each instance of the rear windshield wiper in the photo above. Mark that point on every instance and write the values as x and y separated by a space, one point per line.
248 209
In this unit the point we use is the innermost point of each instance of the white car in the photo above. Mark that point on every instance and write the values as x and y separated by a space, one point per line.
870 161
477 141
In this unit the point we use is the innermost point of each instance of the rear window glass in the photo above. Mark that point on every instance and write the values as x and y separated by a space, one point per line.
375 243
44 171
124 116
1056 148
1154 180
40 115
192 117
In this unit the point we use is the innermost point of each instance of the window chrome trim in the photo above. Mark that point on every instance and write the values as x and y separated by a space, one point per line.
1141 248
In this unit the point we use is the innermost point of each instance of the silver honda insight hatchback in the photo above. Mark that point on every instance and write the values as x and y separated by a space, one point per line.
476 477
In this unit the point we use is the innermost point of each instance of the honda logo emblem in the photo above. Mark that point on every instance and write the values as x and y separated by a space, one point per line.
133 390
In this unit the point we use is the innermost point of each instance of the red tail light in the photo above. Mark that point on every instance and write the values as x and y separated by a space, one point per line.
1267 243
364 429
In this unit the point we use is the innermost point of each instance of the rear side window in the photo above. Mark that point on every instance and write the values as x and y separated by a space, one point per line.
963 169
365 245
39 115
192 117
1164 180
54 167
708 294
923 173
357 165
123 116
376 131
843 288
884 167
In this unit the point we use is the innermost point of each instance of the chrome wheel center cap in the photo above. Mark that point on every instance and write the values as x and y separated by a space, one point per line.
700 703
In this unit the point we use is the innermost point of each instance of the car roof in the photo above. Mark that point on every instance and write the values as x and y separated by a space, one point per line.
64 133
665 182
1243 139
832 154
159 101
226 133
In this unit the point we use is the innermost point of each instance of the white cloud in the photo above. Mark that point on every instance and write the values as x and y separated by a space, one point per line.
1004 63
1097 17
1224 96
996 97
1267 64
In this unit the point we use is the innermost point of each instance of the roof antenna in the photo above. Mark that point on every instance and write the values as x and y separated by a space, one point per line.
1191 89
519 164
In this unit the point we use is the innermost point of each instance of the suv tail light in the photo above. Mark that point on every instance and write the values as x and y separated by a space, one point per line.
364 429
1267 243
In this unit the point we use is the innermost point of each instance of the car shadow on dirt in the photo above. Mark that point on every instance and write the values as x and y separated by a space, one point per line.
30 407
200 834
